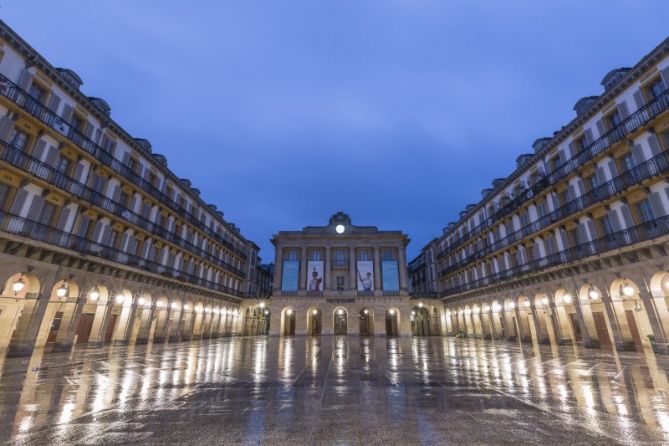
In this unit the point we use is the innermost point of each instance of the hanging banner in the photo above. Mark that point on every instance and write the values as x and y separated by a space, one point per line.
365 273
289 275
315 275
391 277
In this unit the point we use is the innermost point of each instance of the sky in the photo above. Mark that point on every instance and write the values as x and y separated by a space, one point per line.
397 112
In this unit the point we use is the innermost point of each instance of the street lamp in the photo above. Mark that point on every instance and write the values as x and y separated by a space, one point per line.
18 286
627 290
61 291
120 299
94 294
593 293
141 301
566 298
261 304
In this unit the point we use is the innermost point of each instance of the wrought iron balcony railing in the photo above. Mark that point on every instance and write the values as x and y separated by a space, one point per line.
653 167
27 163
629 125
620 239
13 224
40 112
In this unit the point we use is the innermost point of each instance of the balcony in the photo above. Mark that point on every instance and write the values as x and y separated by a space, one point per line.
17 158
653 167
632 123
627 237
40 112
13 224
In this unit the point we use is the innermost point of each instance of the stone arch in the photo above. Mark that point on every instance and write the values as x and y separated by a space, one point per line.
340 320
420 320
288 318
392 321
630 313
366 321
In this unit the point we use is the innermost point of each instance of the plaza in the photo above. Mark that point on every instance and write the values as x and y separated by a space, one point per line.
134 310
319 390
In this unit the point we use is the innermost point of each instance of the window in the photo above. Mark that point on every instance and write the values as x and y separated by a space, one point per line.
19 139
37 92
628 162
123 199
46 214
63 165
605 225
76 122
541 209
4 194
113 238
591 182
83 227
388 254
292 255
315 255
340 255
646 213
656 88
340 283
614 119
363 255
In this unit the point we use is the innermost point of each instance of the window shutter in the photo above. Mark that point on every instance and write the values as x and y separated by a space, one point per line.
656 204
36 208
664 74
571 192
581 187
615 221
54 102
62 221
67 113
116 194
89 130
126 158
97 231
613 168
589 138
601 177
627 216
600 127
637 153
582 234
654 144
133 202
19 202
591 228
106 235
25 79
96 138
638 99
623 110
40 148
52 156
572 149
79 172
6 127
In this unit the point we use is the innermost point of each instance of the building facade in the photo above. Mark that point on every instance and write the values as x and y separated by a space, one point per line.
572 246
341 279
100 242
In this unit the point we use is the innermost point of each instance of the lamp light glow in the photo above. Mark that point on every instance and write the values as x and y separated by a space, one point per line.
628 291
18 286
61 291
94 294
119 299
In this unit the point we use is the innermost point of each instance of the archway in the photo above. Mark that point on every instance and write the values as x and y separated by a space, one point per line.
288 322
366 319
420 321
392 322
340 321
436 322
314 322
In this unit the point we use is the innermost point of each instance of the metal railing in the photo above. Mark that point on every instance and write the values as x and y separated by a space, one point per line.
630 124
655 166
27 163
42 113
626 237
13 224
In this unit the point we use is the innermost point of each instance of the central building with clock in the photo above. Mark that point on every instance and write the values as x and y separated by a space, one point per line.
340 279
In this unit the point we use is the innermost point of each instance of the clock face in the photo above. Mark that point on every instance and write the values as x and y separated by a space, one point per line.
340 229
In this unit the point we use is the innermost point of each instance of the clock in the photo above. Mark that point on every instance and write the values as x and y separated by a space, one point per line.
340 229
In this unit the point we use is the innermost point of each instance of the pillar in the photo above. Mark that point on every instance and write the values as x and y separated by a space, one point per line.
403 269
377 272
352 266
328 268
303 269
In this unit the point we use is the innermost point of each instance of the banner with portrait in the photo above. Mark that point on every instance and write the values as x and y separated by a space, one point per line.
390 274
289 275
315 280
365 275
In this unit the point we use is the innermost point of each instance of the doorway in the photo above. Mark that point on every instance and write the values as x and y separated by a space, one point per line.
366 322
315 322
84 327
391 323
55 326
340 322
289 322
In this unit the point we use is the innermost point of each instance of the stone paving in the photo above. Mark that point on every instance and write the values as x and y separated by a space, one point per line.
335 390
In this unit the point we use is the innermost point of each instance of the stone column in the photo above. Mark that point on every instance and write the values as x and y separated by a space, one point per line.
377 272
403 268
30 320
328 269
303 269
352 269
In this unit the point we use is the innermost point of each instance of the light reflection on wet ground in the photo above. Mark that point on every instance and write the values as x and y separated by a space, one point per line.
335 390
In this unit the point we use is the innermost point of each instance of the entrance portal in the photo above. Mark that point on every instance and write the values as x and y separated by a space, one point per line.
366 322
314 322
288 322
391 323
420 321
340 321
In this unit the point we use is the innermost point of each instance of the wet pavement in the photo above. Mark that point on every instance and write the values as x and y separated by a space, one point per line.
335 390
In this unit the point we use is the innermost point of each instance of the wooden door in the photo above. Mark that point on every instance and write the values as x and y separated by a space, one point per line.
84 327
55 326
634 330
576 327
110 328
340 324
602 331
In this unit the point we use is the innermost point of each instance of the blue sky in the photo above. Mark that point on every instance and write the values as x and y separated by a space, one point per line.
398 112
